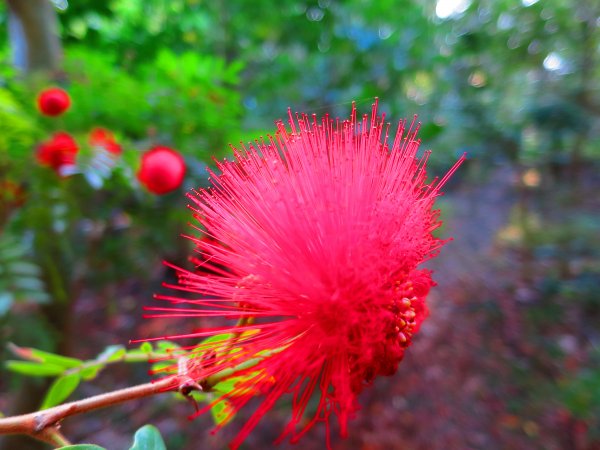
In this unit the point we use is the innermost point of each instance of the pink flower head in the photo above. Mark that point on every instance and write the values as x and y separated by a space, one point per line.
162 170
316 236
53 101
103 138
59 152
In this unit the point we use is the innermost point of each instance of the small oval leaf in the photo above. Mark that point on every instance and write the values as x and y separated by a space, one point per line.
60 390
53 358
112 353
166 346
90 372
217 338
222 412
148 438
35 369
146 347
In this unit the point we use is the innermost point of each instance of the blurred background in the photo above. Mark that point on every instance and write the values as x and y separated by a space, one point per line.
509 357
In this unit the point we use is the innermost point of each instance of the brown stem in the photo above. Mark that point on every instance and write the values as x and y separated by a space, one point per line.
42 424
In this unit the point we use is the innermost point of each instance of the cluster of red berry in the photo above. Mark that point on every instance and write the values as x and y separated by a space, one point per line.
161 170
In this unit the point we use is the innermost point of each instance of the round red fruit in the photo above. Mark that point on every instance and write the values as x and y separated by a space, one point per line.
162 170
53 101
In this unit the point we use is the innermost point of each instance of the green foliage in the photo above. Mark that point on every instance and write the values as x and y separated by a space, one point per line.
18 129
112 353
69 372
60 389
581 394
35 369
187 99
20 279
222 412
51 358
146 347
216 340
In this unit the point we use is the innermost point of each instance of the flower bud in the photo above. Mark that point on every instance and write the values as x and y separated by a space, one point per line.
59 153
162 170
53 102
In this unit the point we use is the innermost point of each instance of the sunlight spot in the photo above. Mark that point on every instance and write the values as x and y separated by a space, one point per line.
477 79
531 178
450 8
553 62
315 14
384 32
61 5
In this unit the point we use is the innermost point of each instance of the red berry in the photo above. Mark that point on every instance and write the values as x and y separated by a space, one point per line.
101 137
53 102
162 170
59 151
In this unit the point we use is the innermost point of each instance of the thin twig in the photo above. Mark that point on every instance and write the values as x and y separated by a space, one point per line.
37 424
55 437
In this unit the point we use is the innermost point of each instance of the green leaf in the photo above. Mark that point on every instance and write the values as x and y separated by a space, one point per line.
222 413
89 373
146 347
61 389
162 366
213 342
148 438
166 346
35 369
228 385
59 360
81 447
112 353
217 338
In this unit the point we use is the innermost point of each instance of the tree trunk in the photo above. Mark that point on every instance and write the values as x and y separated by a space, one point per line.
33 31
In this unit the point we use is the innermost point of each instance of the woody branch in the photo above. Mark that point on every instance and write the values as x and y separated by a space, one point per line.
43 425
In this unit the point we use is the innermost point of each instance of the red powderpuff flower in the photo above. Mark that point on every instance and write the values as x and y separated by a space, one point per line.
53 101
59 152
317 234
103 138
162 170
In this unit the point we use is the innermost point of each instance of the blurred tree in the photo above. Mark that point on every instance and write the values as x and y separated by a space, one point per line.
34 35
